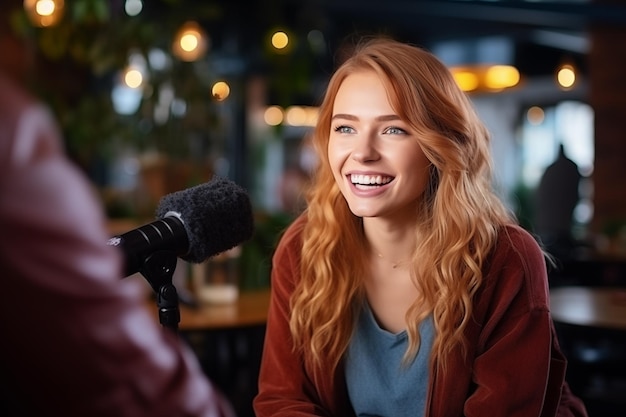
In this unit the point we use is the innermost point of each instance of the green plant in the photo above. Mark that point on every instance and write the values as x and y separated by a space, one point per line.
80 58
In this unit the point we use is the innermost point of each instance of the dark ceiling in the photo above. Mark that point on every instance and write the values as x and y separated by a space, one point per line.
449 19
539 34
543 32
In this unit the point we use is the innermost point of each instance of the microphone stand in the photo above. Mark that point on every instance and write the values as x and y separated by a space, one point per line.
158 269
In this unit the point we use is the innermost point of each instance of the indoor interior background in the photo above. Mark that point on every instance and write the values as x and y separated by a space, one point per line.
172 129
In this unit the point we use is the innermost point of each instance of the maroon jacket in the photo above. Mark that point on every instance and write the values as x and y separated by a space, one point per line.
514 366
77 340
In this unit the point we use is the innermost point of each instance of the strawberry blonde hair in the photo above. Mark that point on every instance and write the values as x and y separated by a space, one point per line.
459 214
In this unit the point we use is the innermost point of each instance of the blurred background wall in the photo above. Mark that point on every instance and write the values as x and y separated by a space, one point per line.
154 96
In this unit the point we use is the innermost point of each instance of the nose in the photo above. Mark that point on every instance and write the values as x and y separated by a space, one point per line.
365 149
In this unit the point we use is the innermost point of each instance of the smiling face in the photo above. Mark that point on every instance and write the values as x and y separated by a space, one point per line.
376 159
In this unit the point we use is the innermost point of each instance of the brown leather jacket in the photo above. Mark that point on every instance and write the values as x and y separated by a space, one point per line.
77 340
514 366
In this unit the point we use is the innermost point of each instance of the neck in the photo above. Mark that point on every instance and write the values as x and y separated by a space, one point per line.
394 244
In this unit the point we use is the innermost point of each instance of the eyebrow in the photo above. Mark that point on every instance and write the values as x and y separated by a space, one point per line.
384 118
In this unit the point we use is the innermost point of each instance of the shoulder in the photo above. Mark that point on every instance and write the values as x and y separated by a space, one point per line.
287 257
517 269
28 130
289 247
291 238
516 244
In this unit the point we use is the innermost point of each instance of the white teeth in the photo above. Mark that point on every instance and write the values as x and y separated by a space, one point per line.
369 179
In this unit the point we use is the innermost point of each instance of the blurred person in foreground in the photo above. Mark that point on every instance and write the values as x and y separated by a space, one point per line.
77 340
406 288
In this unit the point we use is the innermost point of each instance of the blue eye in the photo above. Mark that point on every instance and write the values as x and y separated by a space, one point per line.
395 131
343 129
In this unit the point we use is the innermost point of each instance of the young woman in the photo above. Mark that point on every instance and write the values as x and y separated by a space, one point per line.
406 288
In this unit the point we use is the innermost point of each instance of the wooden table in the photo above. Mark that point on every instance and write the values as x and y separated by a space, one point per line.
591 325
250 309
602 307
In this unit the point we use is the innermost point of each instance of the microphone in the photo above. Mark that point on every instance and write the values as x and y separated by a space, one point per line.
195 224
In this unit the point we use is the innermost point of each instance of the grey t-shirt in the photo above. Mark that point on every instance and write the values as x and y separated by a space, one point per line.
379 384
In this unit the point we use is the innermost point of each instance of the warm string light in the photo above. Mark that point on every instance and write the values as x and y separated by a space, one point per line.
281 42
273 115
500 77
220 91
292 116
486 77
566 76
44 13
133 78
190 42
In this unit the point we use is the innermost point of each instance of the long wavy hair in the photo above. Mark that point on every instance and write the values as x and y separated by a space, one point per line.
459 213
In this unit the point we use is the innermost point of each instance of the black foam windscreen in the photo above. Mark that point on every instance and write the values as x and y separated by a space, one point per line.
217 216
